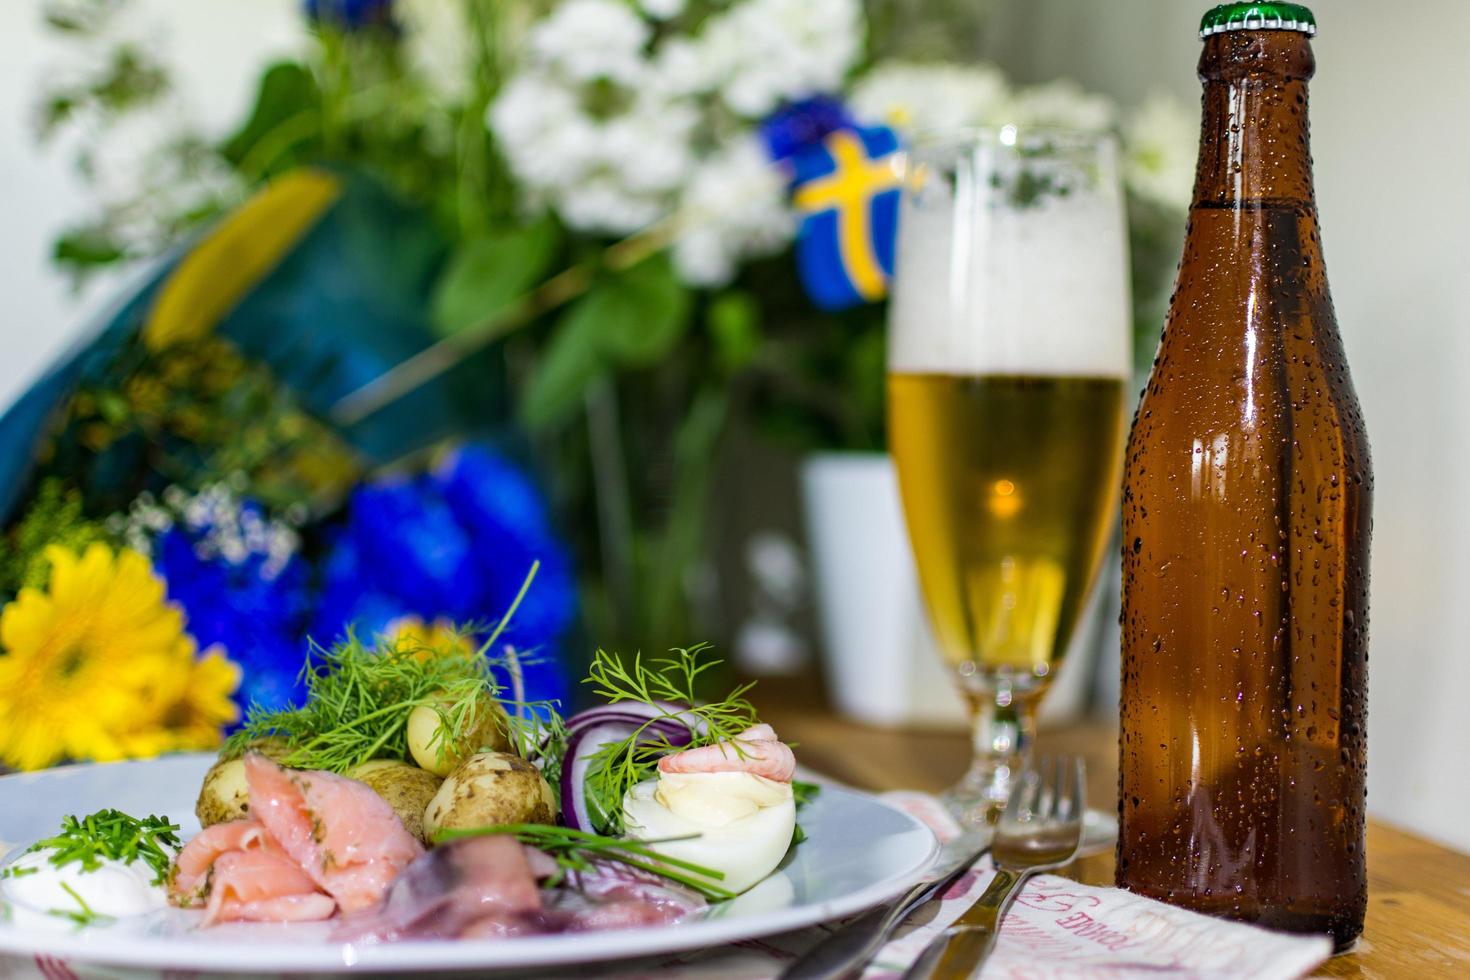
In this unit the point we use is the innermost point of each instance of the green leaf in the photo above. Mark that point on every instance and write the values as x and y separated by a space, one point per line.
632 319
485 275
287 94
640 315
570 364
732 322
87 247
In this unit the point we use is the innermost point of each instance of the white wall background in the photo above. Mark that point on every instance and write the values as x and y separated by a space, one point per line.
1391 131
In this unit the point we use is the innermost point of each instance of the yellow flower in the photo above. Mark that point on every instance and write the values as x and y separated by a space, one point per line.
194 721
427 639
98 666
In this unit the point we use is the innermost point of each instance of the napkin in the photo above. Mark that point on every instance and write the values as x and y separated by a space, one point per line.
1056 929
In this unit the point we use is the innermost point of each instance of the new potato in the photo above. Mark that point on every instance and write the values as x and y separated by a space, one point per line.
224 795
490 788
407 789
491 730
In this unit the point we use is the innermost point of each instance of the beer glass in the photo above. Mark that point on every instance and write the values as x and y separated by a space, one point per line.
1009 353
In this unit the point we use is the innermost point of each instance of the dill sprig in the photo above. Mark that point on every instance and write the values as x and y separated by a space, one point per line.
112 834
619 766
577 851
359 697
803 792
538 733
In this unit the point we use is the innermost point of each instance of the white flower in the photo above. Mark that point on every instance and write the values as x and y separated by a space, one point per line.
616 130
682 68
613 174
601 204
436 39
918 98
1159 142
587 40
1062 104
591 126
761 52
662 9
542 131
648 146
217 518
733 209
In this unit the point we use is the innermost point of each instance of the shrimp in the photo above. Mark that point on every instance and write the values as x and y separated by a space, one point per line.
757 751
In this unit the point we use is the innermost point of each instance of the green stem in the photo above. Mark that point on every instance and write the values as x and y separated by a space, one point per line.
514 605
612 498
409 375
685 526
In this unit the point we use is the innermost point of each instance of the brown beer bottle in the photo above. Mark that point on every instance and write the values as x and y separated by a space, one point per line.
1246 518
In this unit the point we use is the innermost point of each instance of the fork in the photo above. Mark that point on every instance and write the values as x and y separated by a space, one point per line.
1040 830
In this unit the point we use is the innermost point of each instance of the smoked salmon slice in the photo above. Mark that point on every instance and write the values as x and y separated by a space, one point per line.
263 885
189 883
344 836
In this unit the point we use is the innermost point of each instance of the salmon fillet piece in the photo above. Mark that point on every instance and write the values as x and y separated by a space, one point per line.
263 885
189 882
343 835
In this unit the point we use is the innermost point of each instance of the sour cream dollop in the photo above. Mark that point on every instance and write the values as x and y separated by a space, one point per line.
744 822
34 885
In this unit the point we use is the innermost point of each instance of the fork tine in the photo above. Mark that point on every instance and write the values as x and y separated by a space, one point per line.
1038 787
1016 801
1078 801
1060 800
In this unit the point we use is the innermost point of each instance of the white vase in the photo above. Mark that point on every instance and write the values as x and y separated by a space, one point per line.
881 662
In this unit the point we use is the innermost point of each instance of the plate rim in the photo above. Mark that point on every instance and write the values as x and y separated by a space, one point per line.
141 952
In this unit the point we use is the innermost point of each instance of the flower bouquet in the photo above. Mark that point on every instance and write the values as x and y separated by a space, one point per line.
183 522
607 232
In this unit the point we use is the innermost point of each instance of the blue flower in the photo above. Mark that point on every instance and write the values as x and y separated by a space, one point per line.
454 543
254 604
798 126
507 519
350 14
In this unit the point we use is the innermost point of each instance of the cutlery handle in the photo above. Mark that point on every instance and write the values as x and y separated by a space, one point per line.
961 949
849 948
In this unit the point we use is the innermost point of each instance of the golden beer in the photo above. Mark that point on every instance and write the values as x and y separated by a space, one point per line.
1008 353
1009 485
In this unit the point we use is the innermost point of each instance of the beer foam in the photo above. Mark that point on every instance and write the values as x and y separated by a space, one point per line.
983 286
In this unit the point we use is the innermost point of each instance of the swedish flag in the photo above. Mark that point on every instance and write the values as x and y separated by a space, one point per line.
846 191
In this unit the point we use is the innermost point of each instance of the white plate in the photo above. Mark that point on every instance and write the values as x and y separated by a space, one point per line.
859 852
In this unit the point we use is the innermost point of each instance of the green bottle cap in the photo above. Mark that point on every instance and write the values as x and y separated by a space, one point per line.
1258 17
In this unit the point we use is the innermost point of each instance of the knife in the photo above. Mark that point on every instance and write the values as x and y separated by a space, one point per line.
848 949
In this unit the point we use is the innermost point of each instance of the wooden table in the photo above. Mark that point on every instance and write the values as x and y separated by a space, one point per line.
1418 892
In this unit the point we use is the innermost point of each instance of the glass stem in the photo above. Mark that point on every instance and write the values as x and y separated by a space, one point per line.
1004 726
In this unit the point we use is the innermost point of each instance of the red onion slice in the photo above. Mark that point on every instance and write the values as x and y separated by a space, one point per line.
591 730
581 747
638 713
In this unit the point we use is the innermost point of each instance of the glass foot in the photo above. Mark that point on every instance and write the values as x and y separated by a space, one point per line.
971 806
1099 833
1099 827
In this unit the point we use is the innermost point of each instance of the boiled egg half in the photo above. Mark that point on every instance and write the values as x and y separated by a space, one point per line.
743 822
